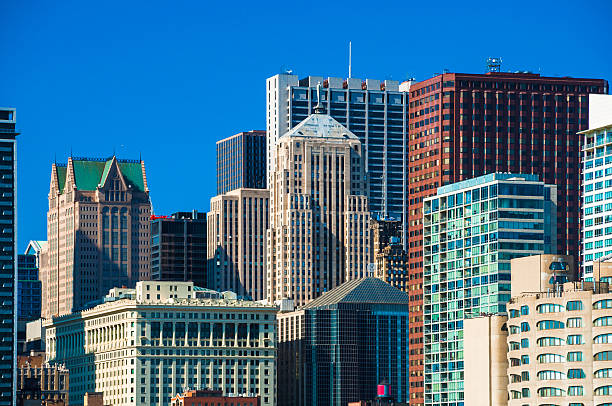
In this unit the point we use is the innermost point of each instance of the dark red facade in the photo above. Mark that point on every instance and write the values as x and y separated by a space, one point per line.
466 125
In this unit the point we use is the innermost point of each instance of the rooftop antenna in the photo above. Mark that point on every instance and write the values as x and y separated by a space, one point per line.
494 64
319 109
350 57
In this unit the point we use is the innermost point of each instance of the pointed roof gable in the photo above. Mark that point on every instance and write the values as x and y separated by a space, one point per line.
320 126
365 290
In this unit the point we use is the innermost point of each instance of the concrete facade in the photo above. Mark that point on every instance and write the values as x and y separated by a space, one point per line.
97 231
539 273
143 351
237 242
318 236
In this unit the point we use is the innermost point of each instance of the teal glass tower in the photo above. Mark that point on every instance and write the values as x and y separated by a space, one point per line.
472 229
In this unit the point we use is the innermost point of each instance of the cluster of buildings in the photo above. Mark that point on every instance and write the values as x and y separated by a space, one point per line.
377 235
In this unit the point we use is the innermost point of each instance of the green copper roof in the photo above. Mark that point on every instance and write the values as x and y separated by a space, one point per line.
87 174
132 173
61 177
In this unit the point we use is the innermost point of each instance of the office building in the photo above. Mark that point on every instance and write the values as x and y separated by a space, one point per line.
178 248
28 288
340 346
466 125
97 229
159 339
237 242
319 218
373 110
390 258
8 261
241 162
210 397
597 184
39 383
560 345
472 230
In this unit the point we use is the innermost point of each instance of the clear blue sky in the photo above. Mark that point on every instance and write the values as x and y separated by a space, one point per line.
168 79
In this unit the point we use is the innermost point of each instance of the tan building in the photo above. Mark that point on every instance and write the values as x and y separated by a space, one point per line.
319 216
38 382
237 238
97 229
485 349
539 273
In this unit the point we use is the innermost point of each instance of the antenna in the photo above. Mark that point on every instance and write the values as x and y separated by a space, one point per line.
319 107
350 57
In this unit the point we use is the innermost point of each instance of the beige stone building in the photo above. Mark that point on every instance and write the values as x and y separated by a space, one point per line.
237 239
319 216
540 273
97 231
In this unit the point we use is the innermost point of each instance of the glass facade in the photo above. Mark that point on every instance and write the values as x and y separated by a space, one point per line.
472 229
241 162
596 198
28 288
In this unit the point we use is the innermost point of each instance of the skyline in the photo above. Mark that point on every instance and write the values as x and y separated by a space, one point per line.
65 82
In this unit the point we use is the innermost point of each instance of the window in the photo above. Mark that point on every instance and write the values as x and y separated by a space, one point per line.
549 342
574 356
574 305
550 325
574 322
575 391
524 326
525 359
524 343
514 313
514 346
603 339
514 394
603 390
550 375
525 311
514 329
603 321
550 392
603 304
525 392
549 308
550 358
603 373
575 374
575 339
603 356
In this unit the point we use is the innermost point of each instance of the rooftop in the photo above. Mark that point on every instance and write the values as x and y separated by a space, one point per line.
365 290
320 126
491 177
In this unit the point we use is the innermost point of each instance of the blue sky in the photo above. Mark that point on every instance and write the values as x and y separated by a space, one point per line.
168 79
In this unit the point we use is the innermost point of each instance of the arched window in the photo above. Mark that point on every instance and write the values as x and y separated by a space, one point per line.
549 375
514 394
603 373
514 329
603 390
549 391
514 345
603 356
603 304
550 358
603 339
549 342
550 325
603 321
524 326
574 305
515 378
549 308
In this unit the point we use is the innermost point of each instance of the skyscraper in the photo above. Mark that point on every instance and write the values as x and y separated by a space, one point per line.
97 229
237 246
241 161
467 125
375 111
596 185
178 248
340 346
319 216
29 289
471 231
8 261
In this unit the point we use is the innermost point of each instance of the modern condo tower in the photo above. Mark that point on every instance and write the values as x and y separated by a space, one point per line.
8 260
466 125
319 218
97 231
375 111
241 161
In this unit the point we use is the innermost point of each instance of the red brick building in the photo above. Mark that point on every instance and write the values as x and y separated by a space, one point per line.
467 125
209 397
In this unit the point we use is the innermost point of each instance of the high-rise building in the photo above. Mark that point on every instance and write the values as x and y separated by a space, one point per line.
466 125
340 346
375 111
319 218
178 247
596 184
390 258
241 162
97 229
471 231
8 261
237 242
147 344
28 288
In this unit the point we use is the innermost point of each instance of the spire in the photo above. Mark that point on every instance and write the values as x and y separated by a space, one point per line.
319 109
